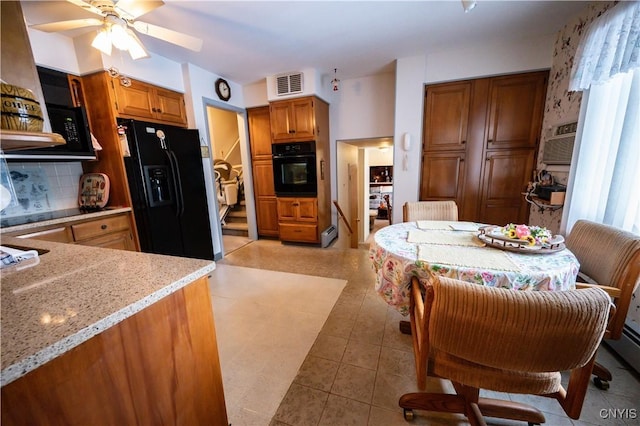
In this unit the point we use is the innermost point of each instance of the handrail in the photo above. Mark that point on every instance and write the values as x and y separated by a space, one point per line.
235 145
335 202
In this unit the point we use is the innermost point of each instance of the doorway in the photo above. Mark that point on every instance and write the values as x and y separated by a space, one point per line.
356 157
229 153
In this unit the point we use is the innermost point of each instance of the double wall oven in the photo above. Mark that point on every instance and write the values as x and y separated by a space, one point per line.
294 169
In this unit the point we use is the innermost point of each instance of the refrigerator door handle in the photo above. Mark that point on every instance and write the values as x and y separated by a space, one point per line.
179 182
176 189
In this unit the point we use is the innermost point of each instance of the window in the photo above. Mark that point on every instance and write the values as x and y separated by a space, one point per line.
604 181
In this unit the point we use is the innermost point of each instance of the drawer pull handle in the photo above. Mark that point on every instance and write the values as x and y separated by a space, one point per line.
103 227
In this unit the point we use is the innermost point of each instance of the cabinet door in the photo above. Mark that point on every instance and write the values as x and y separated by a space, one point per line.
136 100
259 133
122 240
267 216
443 176
505 178
515 111
170 107
446 116
263 178
287 209
280 121
303 119
307 209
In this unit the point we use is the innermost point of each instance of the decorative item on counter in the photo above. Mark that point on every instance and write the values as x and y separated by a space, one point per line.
93 193
20 110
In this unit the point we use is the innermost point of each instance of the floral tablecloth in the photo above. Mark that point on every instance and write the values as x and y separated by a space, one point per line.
395 260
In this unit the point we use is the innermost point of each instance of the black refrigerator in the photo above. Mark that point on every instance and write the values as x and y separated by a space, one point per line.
167 187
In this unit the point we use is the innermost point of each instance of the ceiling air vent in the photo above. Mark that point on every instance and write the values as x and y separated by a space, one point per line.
558 149
289 84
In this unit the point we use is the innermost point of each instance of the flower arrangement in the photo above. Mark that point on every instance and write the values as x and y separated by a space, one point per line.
533 235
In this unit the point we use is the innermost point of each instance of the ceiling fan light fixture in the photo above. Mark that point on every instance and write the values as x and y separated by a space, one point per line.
136 48
102 41
119 37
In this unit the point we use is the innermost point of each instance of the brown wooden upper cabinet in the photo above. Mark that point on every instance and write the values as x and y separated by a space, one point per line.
148 102
480 141
447 116
293 120
515 110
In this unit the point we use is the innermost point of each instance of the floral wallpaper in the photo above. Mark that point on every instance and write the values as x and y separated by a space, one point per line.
563 106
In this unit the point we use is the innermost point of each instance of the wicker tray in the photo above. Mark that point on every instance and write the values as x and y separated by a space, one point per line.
491 238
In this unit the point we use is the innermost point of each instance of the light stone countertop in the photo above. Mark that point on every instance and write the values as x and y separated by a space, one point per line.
75 292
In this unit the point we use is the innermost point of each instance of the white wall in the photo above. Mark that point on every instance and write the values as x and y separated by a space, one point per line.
501 57
380 158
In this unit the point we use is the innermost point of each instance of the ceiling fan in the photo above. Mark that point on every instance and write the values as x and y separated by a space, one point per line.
117 17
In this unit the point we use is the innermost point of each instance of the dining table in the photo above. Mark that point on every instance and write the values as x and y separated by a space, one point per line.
461 250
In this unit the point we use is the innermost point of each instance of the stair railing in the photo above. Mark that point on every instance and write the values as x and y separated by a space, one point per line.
341 215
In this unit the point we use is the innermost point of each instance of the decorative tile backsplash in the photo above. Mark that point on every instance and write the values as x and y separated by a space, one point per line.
44 187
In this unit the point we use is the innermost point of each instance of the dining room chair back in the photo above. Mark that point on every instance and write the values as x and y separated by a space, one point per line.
503 340
610 259
429 210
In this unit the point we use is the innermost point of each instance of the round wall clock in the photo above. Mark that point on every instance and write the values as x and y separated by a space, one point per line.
222 89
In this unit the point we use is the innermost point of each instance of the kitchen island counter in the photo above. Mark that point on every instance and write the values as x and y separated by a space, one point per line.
74 295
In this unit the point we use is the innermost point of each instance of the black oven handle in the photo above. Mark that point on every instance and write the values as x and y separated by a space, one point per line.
279 156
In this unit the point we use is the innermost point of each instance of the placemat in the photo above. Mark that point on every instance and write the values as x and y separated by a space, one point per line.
453 238
443 225
470 257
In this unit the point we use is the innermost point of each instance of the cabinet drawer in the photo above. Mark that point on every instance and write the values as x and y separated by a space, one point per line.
299 232
99 227
56 235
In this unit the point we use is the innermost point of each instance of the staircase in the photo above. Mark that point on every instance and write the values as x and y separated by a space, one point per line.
235 222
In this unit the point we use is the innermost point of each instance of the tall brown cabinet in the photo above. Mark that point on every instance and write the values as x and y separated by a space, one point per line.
262 167
292 120
480 141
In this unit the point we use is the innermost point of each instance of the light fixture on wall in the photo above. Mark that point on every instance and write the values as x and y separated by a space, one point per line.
468 5
335 82
114 32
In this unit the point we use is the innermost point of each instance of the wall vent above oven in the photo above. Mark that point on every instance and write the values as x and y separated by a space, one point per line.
289 84
558 149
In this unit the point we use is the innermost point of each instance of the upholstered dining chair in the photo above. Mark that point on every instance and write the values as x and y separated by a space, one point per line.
429 210
609 258
503 340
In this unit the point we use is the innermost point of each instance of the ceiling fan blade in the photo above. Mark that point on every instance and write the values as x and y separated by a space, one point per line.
168 35
67 25
86 6
131 9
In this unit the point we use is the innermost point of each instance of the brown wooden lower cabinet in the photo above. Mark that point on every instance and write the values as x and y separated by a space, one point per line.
298 219
159 366
506 174
112 231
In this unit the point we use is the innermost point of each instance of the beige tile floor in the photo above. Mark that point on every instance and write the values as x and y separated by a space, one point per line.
360 363
264 333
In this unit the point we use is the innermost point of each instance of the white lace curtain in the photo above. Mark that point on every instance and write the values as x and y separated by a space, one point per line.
610 45
604 179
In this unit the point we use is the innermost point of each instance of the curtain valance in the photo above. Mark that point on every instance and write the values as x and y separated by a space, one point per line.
610 45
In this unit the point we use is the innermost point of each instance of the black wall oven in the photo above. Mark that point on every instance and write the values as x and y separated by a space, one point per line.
294 169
